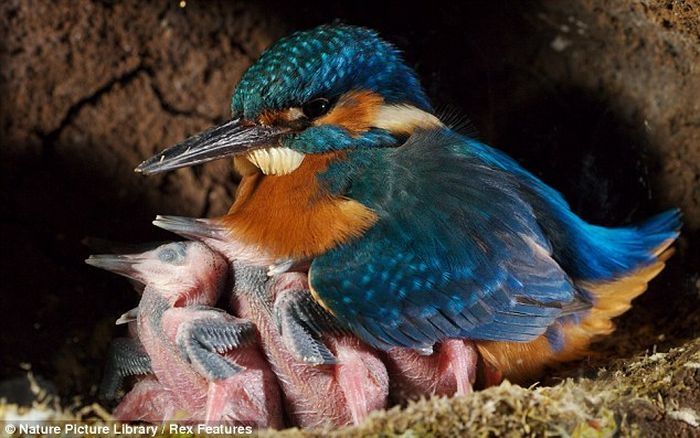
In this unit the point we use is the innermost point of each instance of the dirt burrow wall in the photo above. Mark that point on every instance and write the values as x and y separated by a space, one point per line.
89 89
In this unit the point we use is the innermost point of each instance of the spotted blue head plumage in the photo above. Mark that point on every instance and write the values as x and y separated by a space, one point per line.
324 62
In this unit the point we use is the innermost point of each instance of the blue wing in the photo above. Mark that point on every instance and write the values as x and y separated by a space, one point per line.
456 252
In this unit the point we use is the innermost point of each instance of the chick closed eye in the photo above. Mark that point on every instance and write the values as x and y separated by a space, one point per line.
170 256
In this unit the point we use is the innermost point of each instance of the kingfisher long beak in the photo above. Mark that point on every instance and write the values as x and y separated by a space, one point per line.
231 138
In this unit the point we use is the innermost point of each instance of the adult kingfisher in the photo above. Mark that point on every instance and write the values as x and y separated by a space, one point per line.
412 232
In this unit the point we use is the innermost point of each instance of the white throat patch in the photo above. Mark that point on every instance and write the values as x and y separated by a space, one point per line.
276 161
405 119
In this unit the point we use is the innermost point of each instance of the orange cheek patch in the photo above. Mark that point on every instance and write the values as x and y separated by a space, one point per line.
270 117
355 111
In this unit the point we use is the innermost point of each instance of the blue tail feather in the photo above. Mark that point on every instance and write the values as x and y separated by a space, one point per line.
662 223
599 253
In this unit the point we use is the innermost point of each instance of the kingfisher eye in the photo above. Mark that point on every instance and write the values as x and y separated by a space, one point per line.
316 108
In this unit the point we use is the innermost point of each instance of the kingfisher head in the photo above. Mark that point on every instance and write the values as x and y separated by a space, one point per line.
327 89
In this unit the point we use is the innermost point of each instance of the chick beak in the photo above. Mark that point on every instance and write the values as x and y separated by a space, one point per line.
192 228
126 265
231 138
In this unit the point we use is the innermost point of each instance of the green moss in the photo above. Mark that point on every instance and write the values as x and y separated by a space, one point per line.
637 397
613 402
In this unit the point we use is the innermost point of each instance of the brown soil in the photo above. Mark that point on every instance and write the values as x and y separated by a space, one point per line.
601 99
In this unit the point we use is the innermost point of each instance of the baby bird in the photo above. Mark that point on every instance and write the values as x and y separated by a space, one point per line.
330 386
204 364
449 370
358 379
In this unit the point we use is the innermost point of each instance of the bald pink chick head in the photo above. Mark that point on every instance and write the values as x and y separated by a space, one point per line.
183 272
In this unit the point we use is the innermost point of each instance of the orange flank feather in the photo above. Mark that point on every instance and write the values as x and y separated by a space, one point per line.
517 362
520 362
355 111
291 214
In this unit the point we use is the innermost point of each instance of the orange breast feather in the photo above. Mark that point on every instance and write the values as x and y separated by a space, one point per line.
292 215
